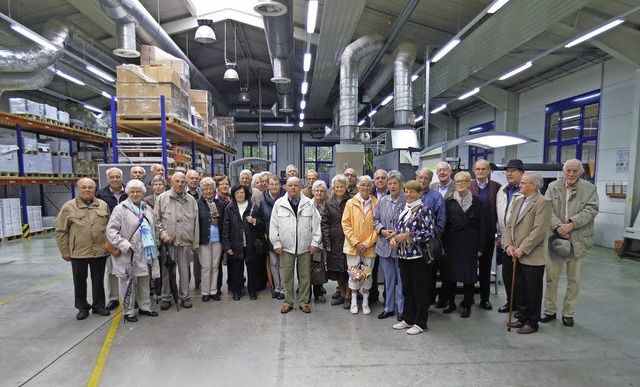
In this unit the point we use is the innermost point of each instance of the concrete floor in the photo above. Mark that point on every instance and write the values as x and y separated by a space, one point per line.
250 343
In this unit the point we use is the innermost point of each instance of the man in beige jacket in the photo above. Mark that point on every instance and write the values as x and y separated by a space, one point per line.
177 223
80 234
526 240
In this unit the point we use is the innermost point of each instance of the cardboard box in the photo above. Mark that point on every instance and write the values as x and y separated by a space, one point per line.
66 164
162 74
63 117
150 55
17 106
9 158
50 112
30 162
35 108
131 73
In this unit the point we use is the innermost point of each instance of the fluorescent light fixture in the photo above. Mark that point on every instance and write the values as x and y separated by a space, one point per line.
70 78
277 124
371 113
312 15
301 124
445 50
93 108
101 73
306 63
571 127
106 95
493 8
595 32
387 100
304 87
495 141
303 104
301 116
33 36
439 109
515 71
469 94
419 118
414 77
571 117
361 122
586 97
475 129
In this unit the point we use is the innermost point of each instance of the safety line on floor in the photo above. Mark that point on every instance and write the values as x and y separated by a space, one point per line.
96 374
33 289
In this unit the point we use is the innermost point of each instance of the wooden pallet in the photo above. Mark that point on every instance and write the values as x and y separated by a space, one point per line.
63 175
12 237
9 174
90 176
43 231
169 118
64 154
32 174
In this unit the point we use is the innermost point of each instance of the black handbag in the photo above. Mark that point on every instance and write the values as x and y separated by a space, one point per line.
318 270
433 249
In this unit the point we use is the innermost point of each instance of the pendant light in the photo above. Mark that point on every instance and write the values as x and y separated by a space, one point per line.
231 74
204 33
244 91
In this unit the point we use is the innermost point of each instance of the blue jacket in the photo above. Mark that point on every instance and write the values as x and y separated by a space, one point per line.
433 200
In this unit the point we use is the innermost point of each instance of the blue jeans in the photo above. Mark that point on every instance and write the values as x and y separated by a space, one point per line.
391 279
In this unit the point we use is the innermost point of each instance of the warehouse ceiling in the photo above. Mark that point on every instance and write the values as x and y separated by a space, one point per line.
492 44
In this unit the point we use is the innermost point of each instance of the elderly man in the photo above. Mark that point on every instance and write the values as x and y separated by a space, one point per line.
444 185
311 176
486 190
113 194
294 231
526 240
193 189
80 236
291 171
177 223
246 178
352 180
137 173
504 201
433 201
575 206
380 183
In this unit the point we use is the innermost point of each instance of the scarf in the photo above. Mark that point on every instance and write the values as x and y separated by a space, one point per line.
464 202
146 235
407 213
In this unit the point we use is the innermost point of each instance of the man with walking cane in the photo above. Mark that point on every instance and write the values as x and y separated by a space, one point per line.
526 242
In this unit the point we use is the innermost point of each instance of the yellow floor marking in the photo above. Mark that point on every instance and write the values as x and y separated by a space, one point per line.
33 289
94 380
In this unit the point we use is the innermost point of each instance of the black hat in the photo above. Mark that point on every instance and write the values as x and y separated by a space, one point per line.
515 163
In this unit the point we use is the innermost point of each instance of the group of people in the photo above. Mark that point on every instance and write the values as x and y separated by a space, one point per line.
361 224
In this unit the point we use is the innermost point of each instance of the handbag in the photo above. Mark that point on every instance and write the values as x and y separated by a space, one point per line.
113 250
433 249
318 270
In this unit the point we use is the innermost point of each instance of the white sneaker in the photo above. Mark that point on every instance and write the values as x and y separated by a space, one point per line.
366 309
401 325
414 330
354 308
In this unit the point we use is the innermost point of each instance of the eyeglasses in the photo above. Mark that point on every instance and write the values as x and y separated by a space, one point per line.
460 181
350 175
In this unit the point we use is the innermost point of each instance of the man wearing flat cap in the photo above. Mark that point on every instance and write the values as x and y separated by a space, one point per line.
575 206
504 199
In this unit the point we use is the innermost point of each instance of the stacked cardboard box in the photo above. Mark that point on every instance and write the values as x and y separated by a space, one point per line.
11 217
9 158
202 101
34 215
151 55
225 128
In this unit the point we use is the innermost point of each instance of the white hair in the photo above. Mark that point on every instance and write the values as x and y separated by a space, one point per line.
113 169
245 172
135 184
573 161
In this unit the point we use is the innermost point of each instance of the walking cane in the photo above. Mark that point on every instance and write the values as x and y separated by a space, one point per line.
513 285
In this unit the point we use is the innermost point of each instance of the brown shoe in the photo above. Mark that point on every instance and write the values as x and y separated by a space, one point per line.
286 309
347 303
305 308
527 329
515 324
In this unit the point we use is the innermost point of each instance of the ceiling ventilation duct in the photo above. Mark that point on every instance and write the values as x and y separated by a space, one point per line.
402 90
26 81
270 8
351 56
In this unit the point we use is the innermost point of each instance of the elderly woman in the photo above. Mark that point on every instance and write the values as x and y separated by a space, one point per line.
222 199
210 223
360 242
242 225
131 229
273 193
414 227
159 185
333 239
463 236
319 190
384 220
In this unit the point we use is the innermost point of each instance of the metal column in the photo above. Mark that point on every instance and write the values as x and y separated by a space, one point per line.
114 132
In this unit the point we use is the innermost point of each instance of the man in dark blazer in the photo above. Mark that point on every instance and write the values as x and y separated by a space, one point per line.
526 240
486 190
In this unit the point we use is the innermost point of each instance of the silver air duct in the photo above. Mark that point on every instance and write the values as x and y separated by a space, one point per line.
278 28
351 56
36 57
402 89
149 32
26 81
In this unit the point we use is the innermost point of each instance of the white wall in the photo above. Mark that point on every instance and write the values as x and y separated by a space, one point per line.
616 80
477 117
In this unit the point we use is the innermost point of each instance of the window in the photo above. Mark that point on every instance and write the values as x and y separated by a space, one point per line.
572 131
318 156
476 153
252 149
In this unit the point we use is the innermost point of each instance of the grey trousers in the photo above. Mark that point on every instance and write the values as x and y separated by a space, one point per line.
180 254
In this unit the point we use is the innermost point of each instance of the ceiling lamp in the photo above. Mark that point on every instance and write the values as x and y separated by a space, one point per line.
244 91
231 74
204 33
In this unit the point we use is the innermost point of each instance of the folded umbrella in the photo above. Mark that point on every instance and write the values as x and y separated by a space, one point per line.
170 265
126 298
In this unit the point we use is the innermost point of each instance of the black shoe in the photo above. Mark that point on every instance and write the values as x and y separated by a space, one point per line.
130 319
218 293
384 315
150 313
567 321
450 308
441 304
82 314
112 304
101 311
206 298
280 296
400 316
253 296
504 308
465 312
548 317
486 305
186 303
215 297
236 297
274 295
